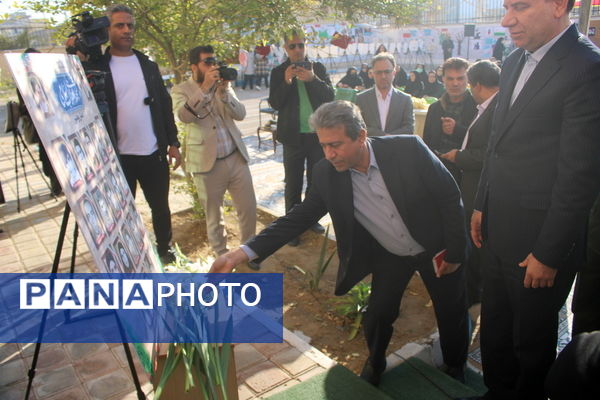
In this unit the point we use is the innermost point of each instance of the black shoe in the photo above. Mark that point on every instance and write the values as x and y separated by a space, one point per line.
294 242
166 257
457 373
372 374
254 265
317 228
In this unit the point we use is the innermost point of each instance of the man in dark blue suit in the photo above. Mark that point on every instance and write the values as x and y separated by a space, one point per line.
540 178
394 206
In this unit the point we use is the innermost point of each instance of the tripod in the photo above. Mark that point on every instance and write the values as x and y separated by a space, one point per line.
19 145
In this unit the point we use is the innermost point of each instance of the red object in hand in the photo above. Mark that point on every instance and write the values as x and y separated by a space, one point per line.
263 50
438 259
340 40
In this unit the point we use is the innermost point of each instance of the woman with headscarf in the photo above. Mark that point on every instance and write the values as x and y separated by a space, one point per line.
368 81
414 87
351 80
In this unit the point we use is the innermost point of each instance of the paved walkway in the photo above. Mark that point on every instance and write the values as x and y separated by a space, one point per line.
99 371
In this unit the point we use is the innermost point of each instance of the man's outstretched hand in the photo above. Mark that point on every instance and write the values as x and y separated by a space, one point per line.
228 261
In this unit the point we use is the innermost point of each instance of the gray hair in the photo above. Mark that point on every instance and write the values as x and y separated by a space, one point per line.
116 8
339 112
384 57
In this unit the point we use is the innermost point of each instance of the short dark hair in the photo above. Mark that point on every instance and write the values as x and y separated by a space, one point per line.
289 35
485 73
196 51
455 63
339 112
570 5
116 8
384 56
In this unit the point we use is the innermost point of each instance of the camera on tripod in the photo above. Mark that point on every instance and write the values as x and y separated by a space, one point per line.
227 73
90 34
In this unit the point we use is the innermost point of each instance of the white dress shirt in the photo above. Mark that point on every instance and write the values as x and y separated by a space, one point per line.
480 110
383 105
531 62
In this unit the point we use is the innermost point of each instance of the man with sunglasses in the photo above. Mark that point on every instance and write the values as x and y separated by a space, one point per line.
298 87
214 153
385 109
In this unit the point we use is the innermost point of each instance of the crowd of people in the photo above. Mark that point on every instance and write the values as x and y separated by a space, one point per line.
501 185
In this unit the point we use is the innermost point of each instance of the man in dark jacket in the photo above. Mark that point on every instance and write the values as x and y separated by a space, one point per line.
484 77
141 116
393 206
298 87
448 118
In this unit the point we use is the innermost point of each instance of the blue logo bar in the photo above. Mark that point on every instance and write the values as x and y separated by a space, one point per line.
141 308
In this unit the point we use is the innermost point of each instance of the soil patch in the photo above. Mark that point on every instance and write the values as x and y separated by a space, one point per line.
313 312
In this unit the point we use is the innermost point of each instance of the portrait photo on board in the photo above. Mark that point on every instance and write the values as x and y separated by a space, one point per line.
68 164
92 220
104 209
82 159
124 256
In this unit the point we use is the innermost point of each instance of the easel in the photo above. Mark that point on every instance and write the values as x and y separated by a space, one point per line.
38 345
103 108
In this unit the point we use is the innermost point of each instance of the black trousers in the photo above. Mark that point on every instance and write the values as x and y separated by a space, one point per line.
152 172
518 329
390 276
308 152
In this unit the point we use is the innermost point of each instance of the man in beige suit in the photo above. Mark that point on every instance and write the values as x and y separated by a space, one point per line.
213 149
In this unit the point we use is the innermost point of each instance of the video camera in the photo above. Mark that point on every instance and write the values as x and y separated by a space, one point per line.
90 34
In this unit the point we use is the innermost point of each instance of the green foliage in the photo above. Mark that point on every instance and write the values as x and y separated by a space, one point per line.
168 29
314 278
353 305
205 364
19 42
322 263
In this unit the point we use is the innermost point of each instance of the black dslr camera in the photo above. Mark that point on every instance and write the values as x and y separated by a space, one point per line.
227 73
90 34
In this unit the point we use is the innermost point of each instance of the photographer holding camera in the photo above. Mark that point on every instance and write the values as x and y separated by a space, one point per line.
298 87
140 114
213 150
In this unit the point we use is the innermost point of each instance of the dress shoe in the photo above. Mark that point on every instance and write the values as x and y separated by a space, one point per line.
372 374
254 265
166 257
294 242
317 228
457 373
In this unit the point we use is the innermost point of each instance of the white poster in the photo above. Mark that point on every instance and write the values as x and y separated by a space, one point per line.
63 109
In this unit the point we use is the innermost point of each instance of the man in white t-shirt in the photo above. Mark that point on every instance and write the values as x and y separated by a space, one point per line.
140 112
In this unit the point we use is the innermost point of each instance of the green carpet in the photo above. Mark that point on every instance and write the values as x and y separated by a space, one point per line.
416 380
411 380
337 383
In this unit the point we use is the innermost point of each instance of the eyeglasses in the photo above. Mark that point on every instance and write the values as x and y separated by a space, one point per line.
209 61
383 72
292 46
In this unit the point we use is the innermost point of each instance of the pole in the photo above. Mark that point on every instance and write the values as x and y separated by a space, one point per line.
585 10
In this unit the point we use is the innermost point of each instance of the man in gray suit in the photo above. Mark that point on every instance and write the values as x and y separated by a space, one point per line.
385 109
